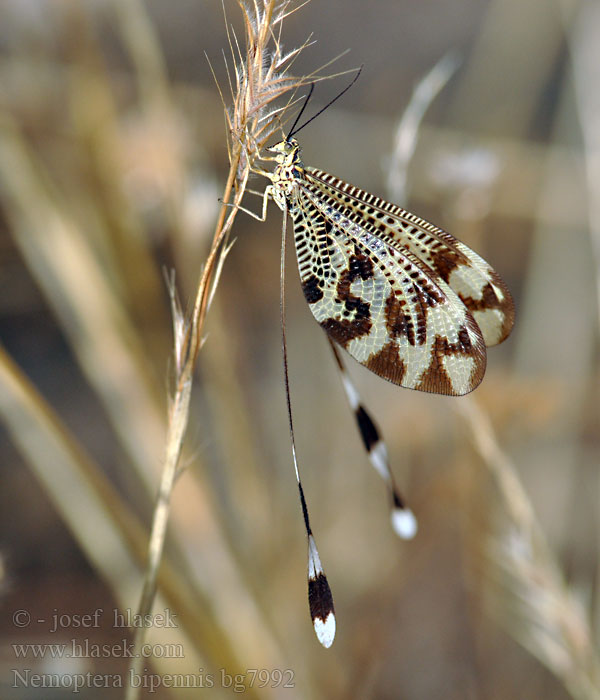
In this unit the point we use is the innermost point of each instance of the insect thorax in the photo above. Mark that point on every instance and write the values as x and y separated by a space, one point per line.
290 167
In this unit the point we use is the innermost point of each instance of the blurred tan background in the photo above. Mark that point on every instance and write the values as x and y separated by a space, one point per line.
112 160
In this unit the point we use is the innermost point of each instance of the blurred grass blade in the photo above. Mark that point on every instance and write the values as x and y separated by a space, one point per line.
522 583
91 315
108 533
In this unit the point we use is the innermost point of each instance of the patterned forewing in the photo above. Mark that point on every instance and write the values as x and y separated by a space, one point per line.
380 303
479 287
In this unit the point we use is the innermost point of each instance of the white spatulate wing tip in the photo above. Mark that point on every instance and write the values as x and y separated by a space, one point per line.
404 523
325 629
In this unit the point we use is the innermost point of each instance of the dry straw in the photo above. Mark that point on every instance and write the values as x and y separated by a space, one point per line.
259 76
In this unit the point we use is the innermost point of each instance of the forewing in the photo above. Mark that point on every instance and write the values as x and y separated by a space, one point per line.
477 284
383 305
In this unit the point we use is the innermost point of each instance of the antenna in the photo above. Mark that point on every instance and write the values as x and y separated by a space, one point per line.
293 130
310 92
